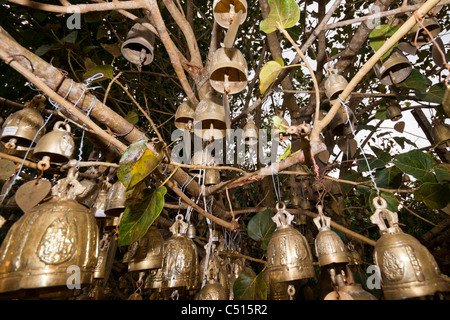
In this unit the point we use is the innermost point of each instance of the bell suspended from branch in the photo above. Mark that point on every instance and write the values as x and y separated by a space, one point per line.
394 69
228 71
288 253
408 269
107 250
191 232
394 113
339 125
225 12
139 46
440 132
56 146
147 252
334 85
329 246
90 193
209 119
20 128
354 258
419 33
184 117
46 242
201 158
212 177
116 200
180 263
220 273
213 290
250 132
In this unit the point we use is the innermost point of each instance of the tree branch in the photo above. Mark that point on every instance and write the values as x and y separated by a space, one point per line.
81 8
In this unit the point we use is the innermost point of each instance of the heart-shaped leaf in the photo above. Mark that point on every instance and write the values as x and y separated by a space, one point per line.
269 73
138 217
416 163
247 287
261 227
284 12
433 195
399 126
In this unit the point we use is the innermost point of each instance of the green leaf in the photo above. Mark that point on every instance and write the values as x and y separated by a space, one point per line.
373 161
278 123
138 217
113 49
442 172
104 69
391 200
132 117
366 127
381 154
285 12
247 287
351 175
286 154
416 163
261 227
378 37
390 178
71 37
269 73
435 94
401 141
137 162
416 81
433 195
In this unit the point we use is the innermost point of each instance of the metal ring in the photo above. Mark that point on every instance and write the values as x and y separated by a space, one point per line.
282 204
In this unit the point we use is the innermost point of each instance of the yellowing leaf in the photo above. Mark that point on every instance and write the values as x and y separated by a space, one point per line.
285 12
268 75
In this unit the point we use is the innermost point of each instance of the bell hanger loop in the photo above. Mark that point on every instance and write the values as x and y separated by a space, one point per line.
322 222
381 213
282 218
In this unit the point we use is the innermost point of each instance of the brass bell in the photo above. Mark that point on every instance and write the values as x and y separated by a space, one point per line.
213 289
212 177
220 273
393 113
228 71
348 285
106 252
90 193
184 117
44 248
288 253
408 269
225 10
191 232
431 24
147 252
440 133
154 279
354 258
180 263
99 206
209 119
334 85
116 199
20 128
250 132
339 125
446 102
394 69
56 146
139 45
329 246
200 158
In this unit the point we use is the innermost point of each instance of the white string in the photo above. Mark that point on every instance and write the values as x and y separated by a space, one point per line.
359 145
277 193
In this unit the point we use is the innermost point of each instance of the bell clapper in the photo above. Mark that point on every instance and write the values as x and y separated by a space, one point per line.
11 144
232 13
291 291
44 163
189 126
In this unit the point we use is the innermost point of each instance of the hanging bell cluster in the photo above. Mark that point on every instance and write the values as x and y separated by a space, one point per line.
46 242
418 35
139 45
408 269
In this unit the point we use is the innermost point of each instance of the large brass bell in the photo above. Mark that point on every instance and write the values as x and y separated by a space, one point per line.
394 69
433 27
117 197
440 132
394 113
408 270
209 119
339 125
250 132
147 252
329 246
288 253
20 128
56 146
228 71
334 85
184 117
139 45
180 263
225 11
52 248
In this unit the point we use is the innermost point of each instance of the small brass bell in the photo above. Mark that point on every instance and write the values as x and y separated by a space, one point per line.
394 69
228 71
99 206
20 128
44 248
191 232
446 102
213 290
184 117
354 258
116 199
394 113
147 252
90 193
441 133
180 263
288 253
329 246
334 85
56 146
220 273
408 269
212 177
139 45
348 285
250 132
225 10
106 252
339 125
433 27
209 119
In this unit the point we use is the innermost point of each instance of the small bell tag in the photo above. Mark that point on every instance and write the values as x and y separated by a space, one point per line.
180 226
282 218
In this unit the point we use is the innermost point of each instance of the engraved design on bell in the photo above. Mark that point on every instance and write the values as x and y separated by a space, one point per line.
415 263
58 242
300 251
393 268
283 258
